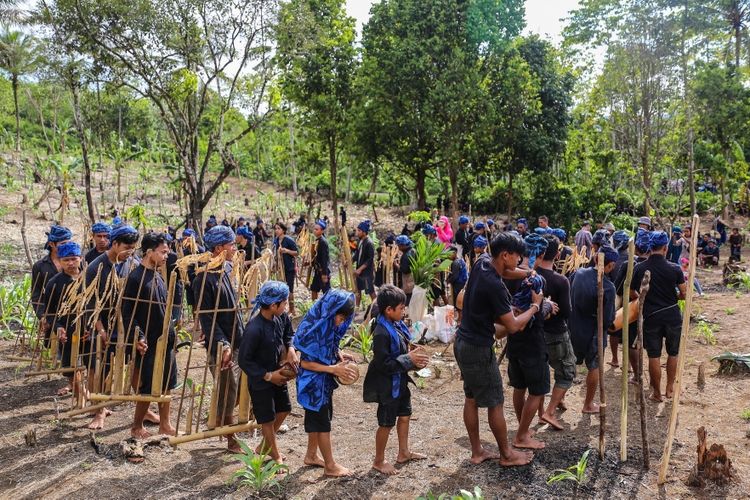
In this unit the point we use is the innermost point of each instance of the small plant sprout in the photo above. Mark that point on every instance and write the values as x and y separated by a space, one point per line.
257 471
462 495
730 311
706 331
745 415
575 473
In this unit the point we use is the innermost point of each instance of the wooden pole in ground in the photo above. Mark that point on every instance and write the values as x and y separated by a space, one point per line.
600 347
681 355
626 351
639 345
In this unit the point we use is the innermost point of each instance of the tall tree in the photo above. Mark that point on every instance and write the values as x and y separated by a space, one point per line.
317 57
18 58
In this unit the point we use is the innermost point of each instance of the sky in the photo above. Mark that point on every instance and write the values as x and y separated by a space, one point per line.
542 16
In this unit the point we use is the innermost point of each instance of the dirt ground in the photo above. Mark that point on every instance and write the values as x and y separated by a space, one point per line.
64 464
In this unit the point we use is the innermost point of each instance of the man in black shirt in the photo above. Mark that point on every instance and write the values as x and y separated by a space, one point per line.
100 237
404 265
562 359
221 322
321 281
45 268
364 260
662 320
286 247
245 242
487 302
463 237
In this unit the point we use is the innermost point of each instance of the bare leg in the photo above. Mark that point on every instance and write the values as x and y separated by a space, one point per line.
523 435
311 456
137 431
671 374
558 393
404 453
149 416
165 427
592 382
654 373
332 469
614 342
381 440
519 399
100 415
471 421
268 445
508 456
274 426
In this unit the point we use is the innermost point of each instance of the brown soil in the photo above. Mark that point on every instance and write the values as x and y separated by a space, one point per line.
65 464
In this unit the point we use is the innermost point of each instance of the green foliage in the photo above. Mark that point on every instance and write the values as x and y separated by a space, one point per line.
15 309
257 471
430 258
463 495
740 281
419 216
575 473
361 340
706 332
745 415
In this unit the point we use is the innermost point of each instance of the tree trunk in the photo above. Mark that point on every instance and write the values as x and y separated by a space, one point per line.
510 195
334 170
421 196
14 84
737 46
77 118
453 175
293 158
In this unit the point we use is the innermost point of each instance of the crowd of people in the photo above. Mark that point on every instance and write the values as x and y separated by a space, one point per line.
530 287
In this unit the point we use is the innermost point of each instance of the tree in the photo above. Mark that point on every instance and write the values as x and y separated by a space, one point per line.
186 57
17 58
317 57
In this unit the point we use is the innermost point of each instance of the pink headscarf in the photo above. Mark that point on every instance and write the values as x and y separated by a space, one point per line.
445 233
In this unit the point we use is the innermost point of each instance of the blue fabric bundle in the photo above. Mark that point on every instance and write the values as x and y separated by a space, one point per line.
543 230
69 249
403 240
57 234
364 226
463 220
620 239
536 245
218 235
658 239
100 228
610 254
317 340
395 331
322 224
480 242
522 298
245 232
601 237
121 231
643 240
560 234
427 230
188 233
117 220
479 225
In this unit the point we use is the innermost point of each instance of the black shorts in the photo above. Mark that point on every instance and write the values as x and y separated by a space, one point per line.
268 402
289 277
562 360
318 285
389 412
366 284
319 421
653 335
482 380
529 373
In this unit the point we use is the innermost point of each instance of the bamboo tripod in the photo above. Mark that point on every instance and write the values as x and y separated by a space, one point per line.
626 351
681 355
645 283
346 270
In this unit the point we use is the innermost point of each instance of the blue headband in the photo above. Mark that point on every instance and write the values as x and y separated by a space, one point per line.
480 242
535 246
620 239
57 234
658 239
522 221
427 230
244 232
322 224
610 254
117 221
69 249
643 240
272 292
218 235
676 229
542 230
601 237
490 222
364 226
403 240
560 233
479 225
463 220
100 227
187 233
119 232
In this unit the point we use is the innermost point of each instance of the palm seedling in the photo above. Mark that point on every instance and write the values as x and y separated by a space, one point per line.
575 473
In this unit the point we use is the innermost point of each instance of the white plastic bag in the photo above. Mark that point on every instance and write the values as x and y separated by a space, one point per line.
418 304
445 324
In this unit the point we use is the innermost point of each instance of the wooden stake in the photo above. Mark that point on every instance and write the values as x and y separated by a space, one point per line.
218 431
600 346
90 409
626 351
130 397
157 376
639 344
681 355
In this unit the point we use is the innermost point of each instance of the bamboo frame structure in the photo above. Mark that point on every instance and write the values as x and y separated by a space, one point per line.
600 348
681 355
346 269
626 351
645 283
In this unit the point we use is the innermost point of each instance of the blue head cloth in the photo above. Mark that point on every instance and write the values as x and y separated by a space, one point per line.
522 221
620 239
522 298
270 293
601 237
643 240
188 233
658 239
218 235
69 249
100 228
610 254
542 230
560 234
480 242
490 222
427 230
364 226
168 237
403 240
120 231
463 220
117 220
677 229
536 245
317 339
57 234
245 232
322 224
479 225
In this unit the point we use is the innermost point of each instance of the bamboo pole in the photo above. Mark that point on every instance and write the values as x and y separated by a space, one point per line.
157 376
626 351
641 397
130 397
90 409
681 355
600 347
218 431
244 399
54 371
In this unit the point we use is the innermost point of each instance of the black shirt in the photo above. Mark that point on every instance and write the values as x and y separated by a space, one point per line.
107 290
288 243
57 287
584 303
462 238
378 384
144 306
661 300
404 266
530 342
225 325
41 272
365 256
262 347
92 254
322 257
485 300
558 289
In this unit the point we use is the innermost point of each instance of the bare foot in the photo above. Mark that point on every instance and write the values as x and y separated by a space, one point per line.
516 458
315 461
337 470
562 406
233 445
591 409
140 433
552 421
98 421
384 468
528 442
633 380
483 456
402 459
151 417
669 394
614 363
64 391
167 430
655 396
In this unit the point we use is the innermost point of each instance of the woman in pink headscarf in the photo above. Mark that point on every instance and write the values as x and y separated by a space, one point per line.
444 230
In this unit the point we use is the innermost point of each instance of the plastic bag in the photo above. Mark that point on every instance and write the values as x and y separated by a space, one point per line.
418 304
445 324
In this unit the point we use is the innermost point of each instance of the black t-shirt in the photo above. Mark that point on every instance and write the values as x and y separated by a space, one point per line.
92 254
558 289
486 299
661 300
289 264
